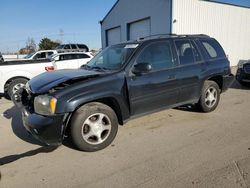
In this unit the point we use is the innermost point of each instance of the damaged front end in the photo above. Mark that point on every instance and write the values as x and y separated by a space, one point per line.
48 129
38 104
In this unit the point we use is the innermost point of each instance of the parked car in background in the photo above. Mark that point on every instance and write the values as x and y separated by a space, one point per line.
1 58
243 73
72 48
124 81
15 74
70 60
43 54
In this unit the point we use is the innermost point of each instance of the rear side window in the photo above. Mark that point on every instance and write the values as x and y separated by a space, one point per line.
81 46
187 52
49 54
68 57
213 48
158 54
40 55
67 47
73 46
82 56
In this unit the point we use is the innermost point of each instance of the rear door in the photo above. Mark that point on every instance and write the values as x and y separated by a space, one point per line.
189 71
158 88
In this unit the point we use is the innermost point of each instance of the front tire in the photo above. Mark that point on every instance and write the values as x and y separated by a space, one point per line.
15 85
93 127
210 96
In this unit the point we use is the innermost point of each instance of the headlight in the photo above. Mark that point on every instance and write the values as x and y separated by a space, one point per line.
241 64
45 105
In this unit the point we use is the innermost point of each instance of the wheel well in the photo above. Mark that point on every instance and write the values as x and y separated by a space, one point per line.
6 85
112 103
218 80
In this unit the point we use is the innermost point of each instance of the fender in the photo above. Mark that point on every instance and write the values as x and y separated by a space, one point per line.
13 74
118 97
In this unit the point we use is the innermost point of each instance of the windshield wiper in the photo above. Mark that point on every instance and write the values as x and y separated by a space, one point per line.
100 68
87 67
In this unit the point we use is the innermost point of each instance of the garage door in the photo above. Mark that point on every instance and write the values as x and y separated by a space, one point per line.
139 29
113 36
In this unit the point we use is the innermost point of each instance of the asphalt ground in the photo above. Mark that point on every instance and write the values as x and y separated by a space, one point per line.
173 148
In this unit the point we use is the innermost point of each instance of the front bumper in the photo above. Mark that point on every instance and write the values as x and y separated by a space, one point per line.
242 76
47 129
227 82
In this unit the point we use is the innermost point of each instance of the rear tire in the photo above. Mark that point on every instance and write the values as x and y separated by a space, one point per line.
93 127
210 96
15 85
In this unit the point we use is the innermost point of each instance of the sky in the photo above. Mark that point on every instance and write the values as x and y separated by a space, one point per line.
78 20
236 2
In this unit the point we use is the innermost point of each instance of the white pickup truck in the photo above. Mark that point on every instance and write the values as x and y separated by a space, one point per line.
15 74
42 54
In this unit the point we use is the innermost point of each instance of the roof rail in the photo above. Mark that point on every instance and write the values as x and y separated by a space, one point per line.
158 36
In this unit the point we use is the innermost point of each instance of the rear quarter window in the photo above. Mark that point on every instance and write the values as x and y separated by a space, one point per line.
82 56
213 48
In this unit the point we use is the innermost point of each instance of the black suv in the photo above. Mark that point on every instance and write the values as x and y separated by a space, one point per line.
243 73
124 81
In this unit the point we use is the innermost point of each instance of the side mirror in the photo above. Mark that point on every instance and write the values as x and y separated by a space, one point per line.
141 68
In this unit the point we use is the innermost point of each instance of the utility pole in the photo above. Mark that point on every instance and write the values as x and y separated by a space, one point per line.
61 33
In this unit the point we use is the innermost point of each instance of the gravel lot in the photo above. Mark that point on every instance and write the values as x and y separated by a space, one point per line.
172 148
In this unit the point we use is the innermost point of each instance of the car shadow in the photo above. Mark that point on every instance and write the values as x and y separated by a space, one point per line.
18 129
189 108
17 126
12 158
69 143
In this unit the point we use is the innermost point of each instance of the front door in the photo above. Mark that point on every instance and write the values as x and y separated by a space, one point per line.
157 88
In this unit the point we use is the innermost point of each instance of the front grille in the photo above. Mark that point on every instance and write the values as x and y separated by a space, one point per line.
247 68
28 100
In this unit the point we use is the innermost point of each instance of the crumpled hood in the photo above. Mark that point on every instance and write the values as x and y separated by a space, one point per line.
45 81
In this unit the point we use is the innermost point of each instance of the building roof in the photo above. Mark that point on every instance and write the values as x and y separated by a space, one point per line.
211 1
225 3
109 11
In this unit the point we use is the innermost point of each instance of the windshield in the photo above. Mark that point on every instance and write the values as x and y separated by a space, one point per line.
112 58
29 56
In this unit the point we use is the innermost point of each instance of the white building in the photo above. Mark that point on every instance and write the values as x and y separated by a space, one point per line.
132 19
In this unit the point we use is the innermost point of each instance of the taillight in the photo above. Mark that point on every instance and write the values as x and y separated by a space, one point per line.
50 68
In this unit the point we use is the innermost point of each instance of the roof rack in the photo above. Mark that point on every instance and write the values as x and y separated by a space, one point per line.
159 36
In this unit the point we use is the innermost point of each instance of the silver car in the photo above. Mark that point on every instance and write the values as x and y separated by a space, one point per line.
72 48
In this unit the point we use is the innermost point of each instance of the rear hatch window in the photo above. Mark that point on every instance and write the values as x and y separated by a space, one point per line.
213 48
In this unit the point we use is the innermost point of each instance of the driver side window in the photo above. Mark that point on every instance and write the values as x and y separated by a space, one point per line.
158 55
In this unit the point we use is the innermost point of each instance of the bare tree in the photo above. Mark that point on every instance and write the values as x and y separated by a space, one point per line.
30 45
